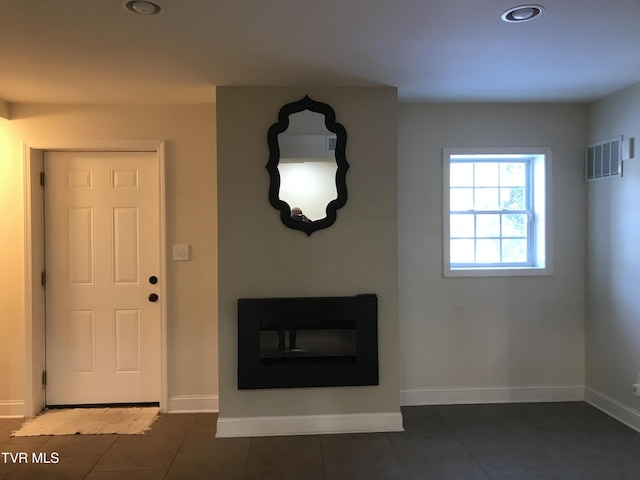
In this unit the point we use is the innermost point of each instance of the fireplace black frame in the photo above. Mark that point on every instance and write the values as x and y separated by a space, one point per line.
359 312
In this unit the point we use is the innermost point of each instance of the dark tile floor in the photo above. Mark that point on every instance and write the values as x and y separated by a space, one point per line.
548 441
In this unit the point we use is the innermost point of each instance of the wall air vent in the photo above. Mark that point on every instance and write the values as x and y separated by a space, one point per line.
604 159
332 140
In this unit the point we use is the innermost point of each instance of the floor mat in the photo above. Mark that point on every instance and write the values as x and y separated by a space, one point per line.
124 421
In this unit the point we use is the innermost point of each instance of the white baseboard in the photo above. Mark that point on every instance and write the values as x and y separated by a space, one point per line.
613 408
464 395
193 403
309 424
12 408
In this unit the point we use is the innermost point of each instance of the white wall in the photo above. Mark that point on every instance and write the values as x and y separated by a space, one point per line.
613 300
489 339
189 131
12 366
358 254
462 339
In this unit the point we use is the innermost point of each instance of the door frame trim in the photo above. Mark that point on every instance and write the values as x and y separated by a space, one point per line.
34 242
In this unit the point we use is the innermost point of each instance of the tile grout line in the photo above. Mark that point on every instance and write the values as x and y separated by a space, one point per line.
179 446
464 444
101 456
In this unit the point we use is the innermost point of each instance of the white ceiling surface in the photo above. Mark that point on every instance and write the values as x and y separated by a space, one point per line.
94 51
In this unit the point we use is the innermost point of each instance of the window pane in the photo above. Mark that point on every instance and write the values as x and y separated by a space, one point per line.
514 251
492 211
461 199
461 175
461 225
514 225
488 251
512 198
513 174
486 174
461 251
488 225
486 199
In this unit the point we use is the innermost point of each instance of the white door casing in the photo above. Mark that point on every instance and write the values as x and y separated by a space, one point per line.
102 236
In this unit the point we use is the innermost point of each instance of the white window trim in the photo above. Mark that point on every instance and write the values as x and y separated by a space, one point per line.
542 209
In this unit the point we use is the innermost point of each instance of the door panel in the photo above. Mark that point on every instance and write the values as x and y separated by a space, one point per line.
80 246
102 243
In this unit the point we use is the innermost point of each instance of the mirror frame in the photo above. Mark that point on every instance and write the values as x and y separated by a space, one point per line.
274 158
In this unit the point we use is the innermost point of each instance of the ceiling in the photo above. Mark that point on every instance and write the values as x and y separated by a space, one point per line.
94 51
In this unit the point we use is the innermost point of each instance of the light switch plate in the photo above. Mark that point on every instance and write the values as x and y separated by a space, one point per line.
181 252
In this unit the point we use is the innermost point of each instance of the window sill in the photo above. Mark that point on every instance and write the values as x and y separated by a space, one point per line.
498 272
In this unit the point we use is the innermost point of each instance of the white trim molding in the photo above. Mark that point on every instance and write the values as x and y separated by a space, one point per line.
538 186
12 408
469 395
627 415
193 404
34 323
309 424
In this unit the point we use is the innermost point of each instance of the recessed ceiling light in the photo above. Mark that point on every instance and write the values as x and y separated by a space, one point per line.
522 13
142 7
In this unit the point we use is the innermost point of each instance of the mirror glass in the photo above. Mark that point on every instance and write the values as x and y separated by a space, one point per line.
307 165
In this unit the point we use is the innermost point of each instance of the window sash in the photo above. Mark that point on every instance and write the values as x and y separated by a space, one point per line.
477 213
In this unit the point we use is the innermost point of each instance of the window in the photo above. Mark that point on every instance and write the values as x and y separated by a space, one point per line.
495 219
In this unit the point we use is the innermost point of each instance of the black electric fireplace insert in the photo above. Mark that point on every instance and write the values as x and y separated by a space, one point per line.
307 342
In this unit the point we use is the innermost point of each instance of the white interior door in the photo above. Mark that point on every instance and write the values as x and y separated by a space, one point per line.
102 237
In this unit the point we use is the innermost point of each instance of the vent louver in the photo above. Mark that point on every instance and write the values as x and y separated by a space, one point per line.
332 140
604 159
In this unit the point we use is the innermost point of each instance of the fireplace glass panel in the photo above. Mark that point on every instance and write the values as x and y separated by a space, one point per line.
307 342
299 342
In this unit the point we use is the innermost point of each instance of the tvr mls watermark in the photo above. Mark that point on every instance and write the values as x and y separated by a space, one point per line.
35 457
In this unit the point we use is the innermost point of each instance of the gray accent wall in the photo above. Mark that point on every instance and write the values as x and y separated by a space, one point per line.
260 257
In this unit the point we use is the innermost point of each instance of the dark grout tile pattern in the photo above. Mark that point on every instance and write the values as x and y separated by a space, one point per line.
547 441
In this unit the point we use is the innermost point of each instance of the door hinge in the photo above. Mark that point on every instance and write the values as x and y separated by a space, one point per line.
43 278
42 179
44 378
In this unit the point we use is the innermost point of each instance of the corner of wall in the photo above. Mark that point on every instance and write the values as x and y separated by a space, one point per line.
5 109
627 415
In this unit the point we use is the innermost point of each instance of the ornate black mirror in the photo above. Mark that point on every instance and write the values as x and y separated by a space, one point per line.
307 165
